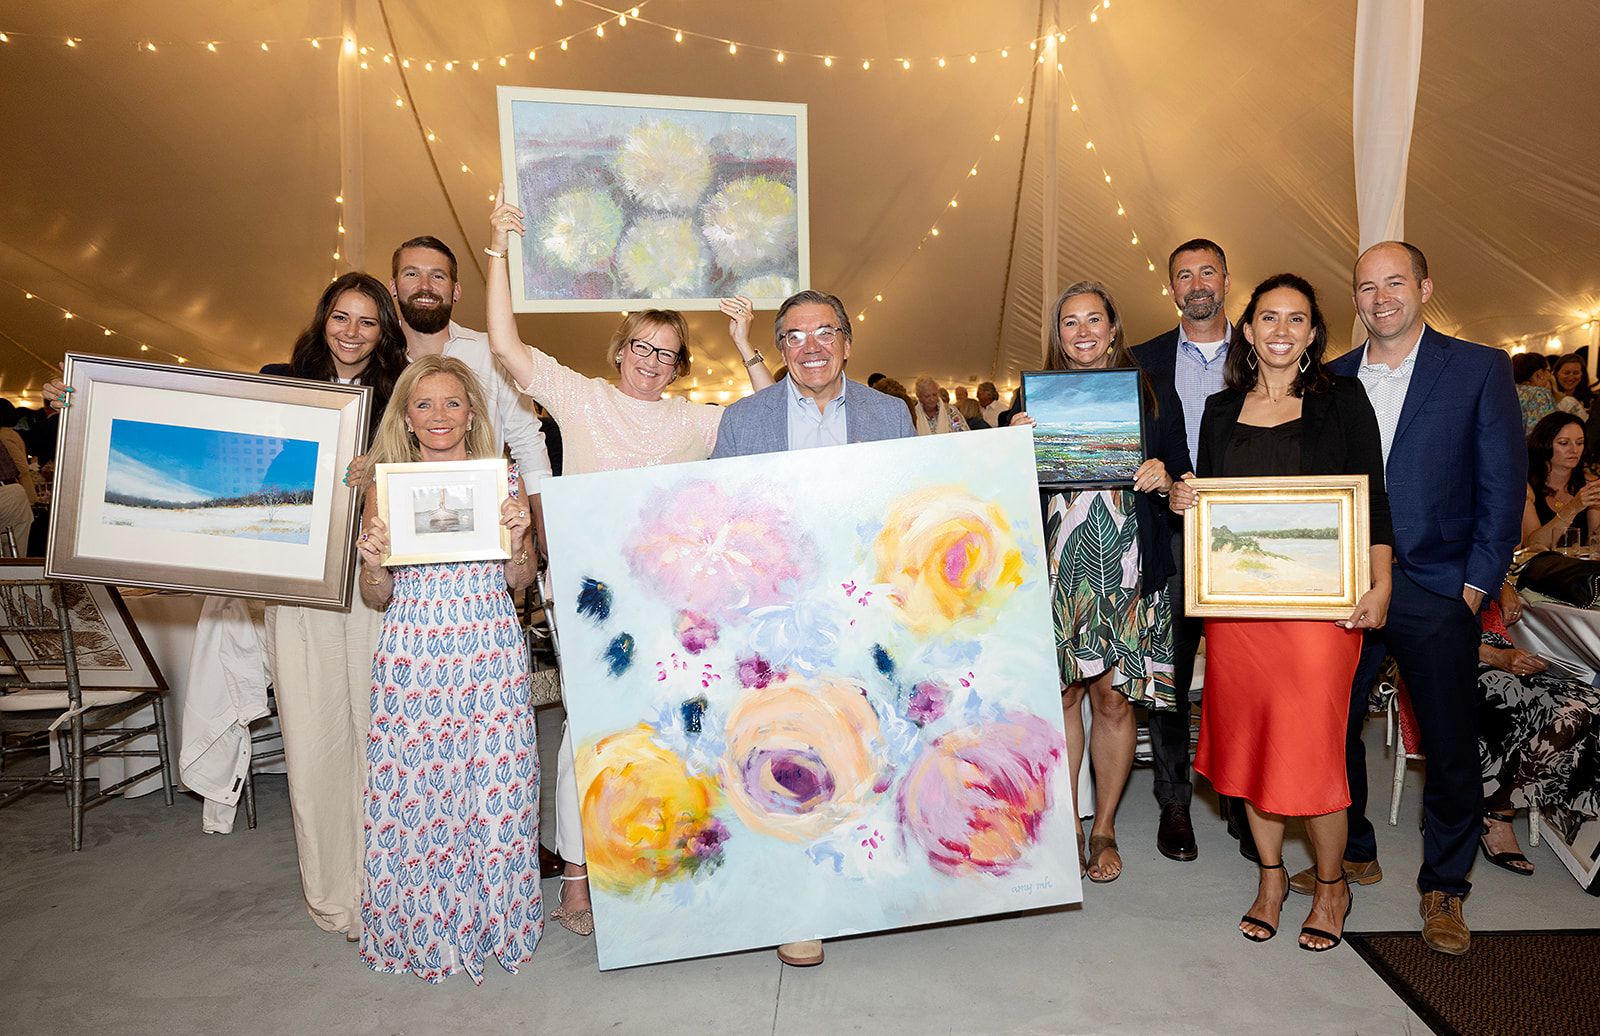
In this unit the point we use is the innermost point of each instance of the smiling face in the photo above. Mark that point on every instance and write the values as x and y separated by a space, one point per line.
1389 297
1568 375
1281 329
425 289
1086 331
646 377
817 369
1199 284
352 332
438 414
1566 451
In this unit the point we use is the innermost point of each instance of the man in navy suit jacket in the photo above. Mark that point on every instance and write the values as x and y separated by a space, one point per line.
816 405
1455 466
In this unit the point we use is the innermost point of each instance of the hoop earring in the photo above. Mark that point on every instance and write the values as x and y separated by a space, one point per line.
1250 359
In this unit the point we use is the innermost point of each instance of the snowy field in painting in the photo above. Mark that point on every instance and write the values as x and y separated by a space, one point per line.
808 704
287 524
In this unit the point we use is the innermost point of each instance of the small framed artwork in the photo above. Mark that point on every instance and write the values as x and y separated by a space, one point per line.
219 482
1294 547
628 197
443 511
110 651
1087 431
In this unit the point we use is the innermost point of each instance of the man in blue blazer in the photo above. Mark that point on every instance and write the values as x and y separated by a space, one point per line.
816 405
1455 466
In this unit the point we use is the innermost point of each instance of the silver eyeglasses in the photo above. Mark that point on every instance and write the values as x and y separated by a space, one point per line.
663 356
824 336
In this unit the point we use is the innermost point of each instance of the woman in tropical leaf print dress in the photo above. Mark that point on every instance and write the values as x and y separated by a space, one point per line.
1110 555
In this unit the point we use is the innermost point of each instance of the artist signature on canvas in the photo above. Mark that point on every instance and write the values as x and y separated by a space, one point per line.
1029 888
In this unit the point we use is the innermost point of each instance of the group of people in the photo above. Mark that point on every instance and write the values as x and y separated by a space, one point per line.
413 769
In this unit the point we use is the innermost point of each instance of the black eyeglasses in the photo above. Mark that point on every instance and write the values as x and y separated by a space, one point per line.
824 336
643 348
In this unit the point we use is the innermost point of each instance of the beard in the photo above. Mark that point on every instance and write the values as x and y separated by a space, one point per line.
426 319
1201 305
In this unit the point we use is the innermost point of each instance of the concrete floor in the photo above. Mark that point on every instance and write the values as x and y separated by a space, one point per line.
157 928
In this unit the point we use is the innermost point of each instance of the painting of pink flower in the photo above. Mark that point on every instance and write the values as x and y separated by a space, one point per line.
705 549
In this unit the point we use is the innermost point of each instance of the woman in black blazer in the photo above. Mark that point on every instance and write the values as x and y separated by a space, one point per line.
1277 694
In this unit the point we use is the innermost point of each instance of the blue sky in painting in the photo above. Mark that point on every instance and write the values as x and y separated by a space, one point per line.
1061 401
1317 514
178 463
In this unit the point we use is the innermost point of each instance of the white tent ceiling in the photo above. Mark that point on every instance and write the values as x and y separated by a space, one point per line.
184 197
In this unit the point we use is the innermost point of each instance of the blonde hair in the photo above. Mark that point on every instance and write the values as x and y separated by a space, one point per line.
648 320
394 443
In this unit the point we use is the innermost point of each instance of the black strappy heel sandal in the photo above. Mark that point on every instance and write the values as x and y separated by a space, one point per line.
1319 933
1247 919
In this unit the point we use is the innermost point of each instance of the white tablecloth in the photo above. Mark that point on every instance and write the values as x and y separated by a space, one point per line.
1560 631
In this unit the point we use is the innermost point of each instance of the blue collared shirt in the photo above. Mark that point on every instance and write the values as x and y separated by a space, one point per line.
810 427
1194 377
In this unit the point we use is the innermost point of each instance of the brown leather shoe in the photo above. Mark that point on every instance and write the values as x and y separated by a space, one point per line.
1175 834
1366 872
806 954
1443 927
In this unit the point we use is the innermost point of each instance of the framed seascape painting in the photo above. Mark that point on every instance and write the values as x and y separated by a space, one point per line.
628 197
443 511
1088 432
223 483
1277 548
810 703
110 651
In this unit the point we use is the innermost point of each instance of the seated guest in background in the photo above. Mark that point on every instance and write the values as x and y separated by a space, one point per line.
323 656
971 413
1533 388
1113 622
891 387
1538 736
452 823
1277 695
11 439
935 416
989 400
1558 489
1572 389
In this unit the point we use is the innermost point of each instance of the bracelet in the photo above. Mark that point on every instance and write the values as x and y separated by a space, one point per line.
492 254
374 582
752 361
521 559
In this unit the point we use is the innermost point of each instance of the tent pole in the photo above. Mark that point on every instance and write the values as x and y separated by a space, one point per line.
353 242
1048 221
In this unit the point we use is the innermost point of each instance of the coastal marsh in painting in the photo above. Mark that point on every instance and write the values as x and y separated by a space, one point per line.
1087 430
807 704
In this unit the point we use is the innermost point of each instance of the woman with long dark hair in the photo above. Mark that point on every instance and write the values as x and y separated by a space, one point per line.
1272 722
1558 489
1570 382
323 656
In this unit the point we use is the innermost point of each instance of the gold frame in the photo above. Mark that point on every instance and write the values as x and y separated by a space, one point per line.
1355 537
480 544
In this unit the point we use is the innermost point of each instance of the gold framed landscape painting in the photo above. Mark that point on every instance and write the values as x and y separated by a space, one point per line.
1292 547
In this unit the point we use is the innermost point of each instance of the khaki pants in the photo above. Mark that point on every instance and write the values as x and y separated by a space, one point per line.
323 679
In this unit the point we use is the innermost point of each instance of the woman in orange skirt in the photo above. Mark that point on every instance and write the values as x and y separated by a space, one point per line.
1272 720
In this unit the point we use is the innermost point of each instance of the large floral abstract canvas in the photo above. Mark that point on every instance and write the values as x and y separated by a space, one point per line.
631 197
811 694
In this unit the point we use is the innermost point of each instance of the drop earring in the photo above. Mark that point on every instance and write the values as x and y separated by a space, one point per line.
1250 359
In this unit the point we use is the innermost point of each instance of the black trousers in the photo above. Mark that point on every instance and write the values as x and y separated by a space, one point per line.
1434 640
1169 728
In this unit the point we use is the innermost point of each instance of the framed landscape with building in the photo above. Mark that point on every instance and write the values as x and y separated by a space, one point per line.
213 481
1293 547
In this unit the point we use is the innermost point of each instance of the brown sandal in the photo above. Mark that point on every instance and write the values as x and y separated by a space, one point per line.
578 922
1099 845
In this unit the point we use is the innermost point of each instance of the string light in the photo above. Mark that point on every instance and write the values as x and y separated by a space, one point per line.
106 331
